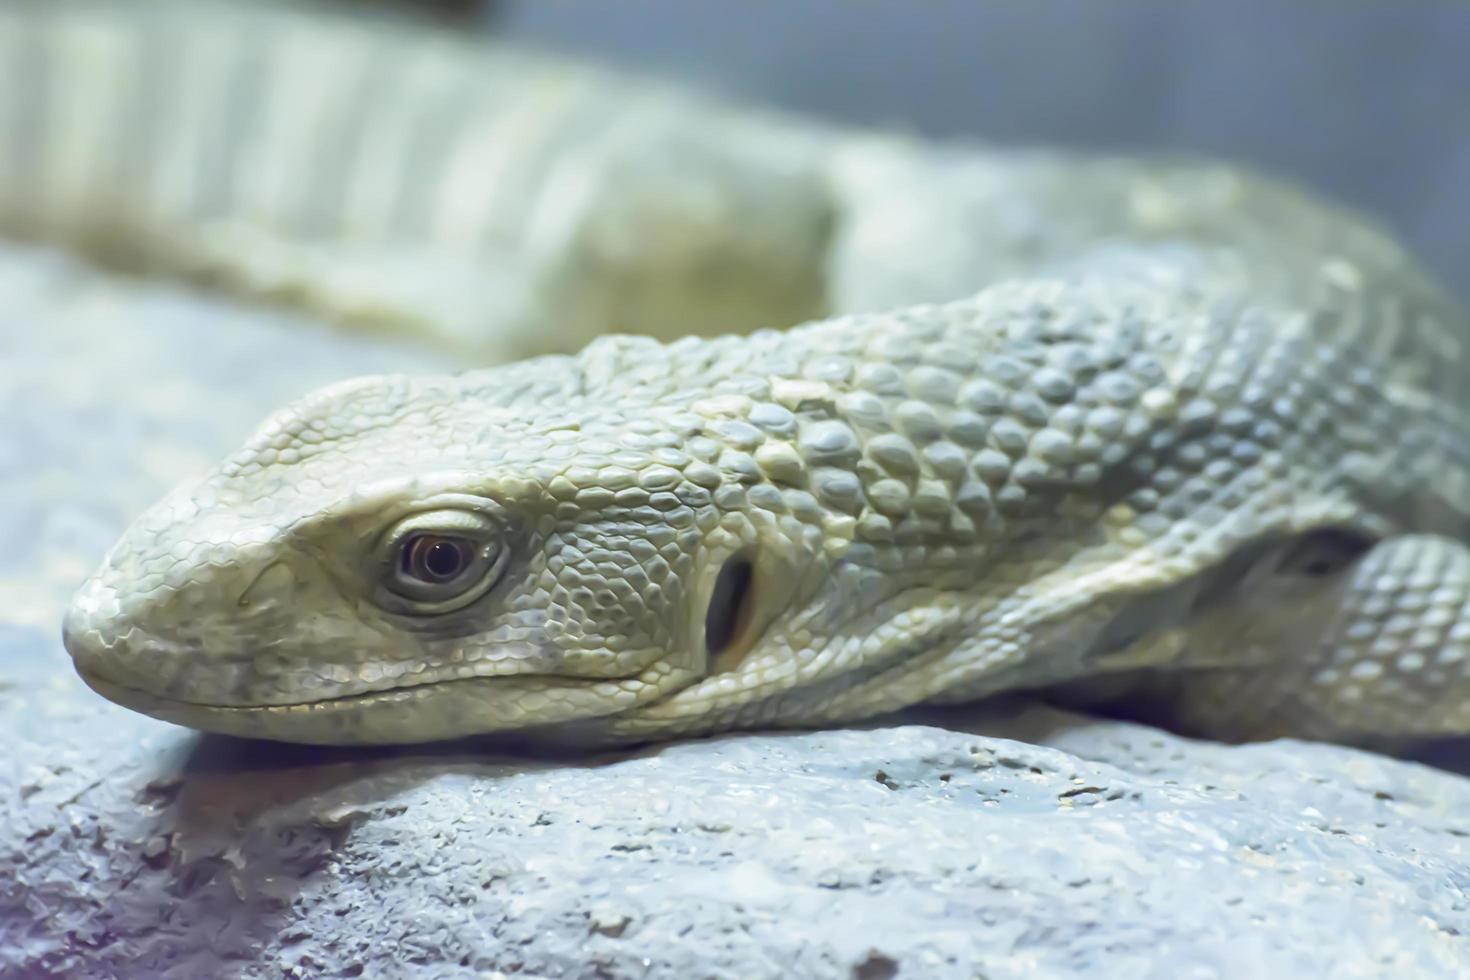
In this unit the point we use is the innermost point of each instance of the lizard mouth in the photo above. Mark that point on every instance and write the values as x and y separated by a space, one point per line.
431 711
161 678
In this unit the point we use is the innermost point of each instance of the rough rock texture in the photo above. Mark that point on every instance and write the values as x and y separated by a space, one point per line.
918 848
915 851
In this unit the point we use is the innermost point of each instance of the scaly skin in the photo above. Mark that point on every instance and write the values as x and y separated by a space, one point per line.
1056 479
1203 438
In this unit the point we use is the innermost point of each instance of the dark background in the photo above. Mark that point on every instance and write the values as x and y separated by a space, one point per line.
1368 102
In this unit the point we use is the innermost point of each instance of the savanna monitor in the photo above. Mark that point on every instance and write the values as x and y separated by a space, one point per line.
1195 433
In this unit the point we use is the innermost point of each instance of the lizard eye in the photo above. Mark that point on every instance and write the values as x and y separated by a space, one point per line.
441 561
434 559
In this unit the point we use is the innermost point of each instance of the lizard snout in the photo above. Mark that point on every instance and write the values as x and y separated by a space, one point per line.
85 629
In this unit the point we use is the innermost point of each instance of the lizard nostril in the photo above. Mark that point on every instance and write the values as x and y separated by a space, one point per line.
275 581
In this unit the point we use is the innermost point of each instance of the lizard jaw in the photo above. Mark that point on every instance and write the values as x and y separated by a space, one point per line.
433 711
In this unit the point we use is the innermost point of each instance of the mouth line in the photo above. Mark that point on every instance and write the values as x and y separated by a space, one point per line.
102 685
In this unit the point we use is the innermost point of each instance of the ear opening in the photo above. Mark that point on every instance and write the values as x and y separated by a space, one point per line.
727 618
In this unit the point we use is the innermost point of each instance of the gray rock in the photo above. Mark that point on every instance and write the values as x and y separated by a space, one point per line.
137 850
1019 841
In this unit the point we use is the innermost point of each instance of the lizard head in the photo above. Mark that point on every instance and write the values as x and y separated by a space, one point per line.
397 560
642 540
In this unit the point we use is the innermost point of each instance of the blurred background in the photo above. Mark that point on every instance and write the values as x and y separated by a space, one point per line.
1368 102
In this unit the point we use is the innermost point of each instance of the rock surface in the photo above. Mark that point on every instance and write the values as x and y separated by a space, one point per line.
1017 841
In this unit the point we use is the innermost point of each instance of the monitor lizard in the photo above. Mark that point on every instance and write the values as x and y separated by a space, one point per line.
1213 450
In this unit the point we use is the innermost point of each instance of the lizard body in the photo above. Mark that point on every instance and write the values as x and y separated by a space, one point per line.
401 178
1198 433
1057 478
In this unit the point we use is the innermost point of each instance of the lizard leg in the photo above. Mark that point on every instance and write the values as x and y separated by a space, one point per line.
1376 649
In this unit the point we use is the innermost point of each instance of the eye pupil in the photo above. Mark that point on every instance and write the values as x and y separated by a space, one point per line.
434 559
443 559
